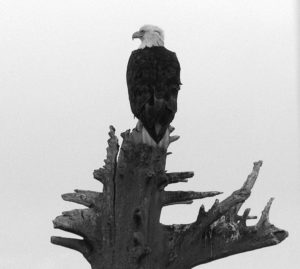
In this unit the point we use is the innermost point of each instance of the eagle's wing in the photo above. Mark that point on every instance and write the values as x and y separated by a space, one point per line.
139 76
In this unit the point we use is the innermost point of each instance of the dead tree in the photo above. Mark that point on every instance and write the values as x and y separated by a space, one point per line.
120 227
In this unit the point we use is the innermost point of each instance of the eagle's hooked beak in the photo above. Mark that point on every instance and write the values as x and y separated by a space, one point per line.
137 34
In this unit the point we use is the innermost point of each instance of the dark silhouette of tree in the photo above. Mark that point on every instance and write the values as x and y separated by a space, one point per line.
120 227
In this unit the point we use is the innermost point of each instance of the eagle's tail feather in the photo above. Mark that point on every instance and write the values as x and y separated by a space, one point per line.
157 133
147 138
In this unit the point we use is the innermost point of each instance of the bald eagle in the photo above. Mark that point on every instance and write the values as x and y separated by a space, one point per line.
153 80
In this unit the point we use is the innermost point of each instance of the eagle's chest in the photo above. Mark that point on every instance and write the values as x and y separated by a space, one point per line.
151 68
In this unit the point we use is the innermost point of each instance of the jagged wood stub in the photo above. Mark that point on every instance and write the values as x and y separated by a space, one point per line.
120 227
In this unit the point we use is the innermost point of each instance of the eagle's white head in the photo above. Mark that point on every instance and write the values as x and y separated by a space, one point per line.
150 36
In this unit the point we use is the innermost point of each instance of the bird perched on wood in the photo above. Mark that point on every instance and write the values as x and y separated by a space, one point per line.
153 80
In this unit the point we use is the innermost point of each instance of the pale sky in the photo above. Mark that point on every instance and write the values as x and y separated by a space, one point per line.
62 83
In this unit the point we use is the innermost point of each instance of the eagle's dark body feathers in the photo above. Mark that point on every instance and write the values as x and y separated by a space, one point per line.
153 80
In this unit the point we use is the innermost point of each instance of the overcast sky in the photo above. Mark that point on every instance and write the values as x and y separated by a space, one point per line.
62 83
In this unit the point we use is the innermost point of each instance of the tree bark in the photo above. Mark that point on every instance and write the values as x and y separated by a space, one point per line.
120 227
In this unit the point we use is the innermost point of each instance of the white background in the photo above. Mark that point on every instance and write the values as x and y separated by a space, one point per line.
62 83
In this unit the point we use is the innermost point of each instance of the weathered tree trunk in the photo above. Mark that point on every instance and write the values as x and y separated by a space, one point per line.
121 229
